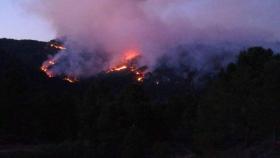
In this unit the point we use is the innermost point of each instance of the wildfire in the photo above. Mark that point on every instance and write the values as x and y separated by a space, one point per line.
46 69
128 64
70 79
118 68
139 73
46 66
56 46
131 55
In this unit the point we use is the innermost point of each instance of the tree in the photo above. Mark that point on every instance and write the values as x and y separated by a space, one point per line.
239 106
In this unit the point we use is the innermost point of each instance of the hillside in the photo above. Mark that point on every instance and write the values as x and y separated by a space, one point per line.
110 115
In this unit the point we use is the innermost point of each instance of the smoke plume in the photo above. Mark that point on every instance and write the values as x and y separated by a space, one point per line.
98 32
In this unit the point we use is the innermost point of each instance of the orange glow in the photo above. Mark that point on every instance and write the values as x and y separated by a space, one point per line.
70 79
139 74
131 54
128 65
140 79
46 66
57 46
117 68
46 69
50 74
121 68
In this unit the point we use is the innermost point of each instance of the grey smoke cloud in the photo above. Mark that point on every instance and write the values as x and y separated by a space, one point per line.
98 28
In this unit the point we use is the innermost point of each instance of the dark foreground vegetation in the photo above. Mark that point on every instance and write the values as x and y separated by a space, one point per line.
231 114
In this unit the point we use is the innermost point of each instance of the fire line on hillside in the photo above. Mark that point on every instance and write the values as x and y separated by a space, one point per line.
126 64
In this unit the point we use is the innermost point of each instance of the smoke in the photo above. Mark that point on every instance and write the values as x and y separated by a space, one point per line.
98 32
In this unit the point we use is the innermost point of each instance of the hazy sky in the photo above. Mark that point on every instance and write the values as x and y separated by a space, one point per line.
154 28
15 22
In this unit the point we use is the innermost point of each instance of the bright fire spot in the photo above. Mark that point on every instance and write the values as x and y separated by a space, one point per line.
138 73
140 79
46 66
46 69
70 79
120 68
131 55
127 64
57 46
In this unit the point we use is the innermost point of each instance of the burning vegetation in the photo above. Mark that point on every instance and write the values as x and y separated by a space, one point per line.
56 45
47 65
70 79
139 73
46 68
128 63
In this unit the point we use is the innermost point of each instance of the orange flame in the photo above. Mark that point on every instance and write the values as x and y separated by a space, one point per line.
57 46
131 55
70 79
127 65
46 69
120 68
46 66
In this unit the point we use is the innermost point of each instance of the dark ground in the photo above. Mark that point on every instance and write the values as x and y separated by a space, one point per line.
230 114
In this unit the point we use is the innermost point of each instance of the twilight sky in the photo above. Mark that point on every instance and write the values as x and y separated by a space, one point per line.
153 28
15 22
